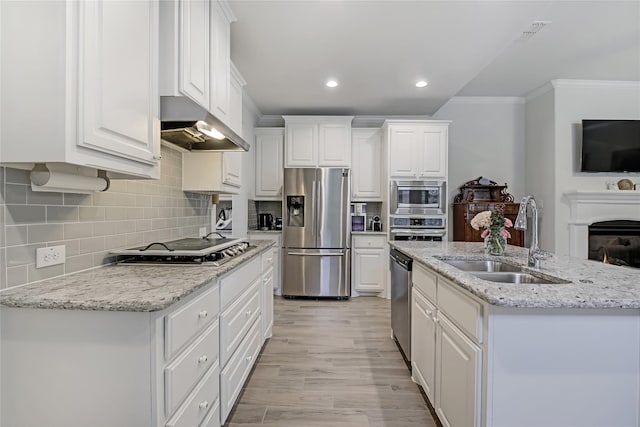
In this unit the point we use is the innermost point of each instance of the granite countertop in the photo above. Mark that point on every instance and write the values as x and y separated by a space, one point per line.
124 287
590 284
357 233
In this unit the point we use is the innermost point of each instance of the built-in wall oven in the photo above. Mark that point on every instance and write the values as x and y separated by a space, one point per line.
418 198
412 227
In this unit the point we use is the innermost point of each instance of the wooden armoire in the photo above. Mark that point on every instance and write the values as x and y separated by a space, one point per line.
479 195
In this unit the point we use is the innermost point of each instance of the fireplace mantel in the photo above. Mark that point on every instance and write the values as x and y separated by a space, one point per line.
587 207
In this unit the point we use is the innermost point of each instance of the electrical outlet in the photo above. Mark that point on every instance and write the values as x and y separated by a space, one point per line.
202 232
53 255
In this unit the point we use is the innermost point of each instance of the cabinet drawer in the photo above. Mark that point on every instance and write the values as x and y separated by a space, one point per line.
184 372
235 283
462 310
184 323
236 320
369 241
267 259
425 281
197 405
213 418
237 370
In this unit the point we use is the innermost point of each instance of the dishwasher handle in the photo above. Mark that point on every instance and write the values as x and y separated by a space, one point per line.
406 262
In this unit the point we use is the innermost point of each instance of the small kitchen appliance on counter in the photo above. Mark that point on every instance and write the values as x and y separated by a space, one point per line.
278 225
224 220
265 221
376 224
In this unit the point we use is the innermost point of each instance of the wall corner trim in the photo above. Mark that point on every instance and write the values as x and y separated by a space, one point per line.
486 100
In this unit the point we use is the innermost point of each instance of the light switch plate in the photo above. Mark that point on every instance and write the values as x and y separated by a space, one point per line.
52 255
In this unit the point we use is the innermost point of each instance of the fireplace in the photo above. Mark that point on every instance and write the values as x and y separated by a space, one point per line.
615 242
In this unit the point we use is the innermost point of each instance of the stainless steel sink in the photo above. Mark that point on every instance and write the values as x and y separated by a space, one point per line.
513 278
487 266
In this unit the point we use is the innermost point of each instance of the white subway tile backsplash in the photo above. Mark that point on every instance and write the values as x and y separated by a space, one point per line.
39 233
15 194
62 213
130 213
16 235
17 275
25 214
91 213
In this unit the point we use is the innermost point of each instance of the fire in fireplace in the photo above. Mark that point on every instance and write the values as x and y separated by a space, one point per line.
615 242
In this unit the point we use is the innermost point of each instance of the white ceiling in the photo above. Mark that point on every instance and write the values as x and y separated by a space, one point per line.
377 50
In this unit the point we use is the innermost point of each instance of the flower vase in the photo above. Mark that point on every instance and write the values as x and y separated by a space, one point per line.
495 244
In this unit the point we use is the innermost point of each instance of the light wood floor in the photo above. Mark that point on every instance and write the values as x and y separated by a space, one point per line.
331 363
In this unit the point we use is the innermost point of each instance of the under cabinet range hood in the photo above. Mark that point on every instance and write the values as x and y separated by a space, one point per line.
190 126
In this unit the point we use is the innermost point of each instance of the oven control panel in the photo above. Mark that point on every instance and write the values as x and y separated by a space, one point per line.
418 222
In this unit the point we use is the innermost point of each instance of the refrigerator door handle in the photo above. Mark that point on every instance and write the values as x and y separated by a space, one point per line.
316 254
314 207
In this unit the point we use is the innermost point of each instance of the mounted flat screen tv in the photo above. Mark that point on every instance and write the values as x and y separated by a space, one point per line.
610 146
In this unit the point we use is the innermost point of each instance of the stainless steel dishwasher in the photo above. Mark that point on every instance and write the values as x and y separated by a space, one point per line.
401 265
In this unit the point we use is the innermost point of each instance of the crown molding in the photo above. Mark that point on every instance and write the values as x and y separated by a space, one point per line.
228 12
595 84
271 120
378 121
486 100
539 91
235 73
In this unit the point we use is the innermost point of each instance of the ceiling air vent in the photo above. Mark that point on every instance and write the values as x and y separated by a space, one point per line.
533 29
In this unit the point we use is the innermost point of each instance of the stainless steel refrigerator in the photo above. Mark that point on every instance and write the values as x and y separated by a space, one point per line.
316 232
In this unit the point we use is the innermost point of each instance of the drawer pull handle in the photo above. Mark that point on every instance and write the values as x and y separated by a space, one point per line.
269 260
428 312
249 358
203 359
248 313
203 314
203 405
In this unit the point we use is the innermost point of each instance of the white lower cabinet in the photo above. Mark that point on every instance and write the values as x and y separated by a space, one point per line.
423 343
458 376
269 262
446 361
182 366
370 259
276 251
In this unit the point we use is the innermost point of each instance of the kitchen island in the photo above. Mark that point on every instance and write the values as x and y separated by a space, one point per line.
134 345
498 354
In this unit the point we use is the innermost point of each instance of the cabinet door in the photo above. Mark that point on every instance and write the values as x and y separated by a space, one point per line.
366 176
269 163
403 158
458 377
423 343
220 63
433 152
301 145
235 105
118 79
194 75
267 302
369 270
334 144
232 168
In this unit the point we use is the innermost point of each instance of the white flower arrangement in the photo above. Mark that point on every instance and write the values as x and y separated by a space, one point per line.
481 220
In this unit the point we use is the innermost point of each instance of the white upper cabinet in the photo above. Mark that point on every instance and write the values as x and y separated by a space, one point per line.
220 99
269 159
417 149
89 97
237 82
366 165
212 172
433 140
195 54
316 141
195 70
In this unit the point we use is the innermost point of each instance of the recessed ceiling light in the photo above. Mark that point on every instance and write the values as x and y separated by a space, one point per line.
332 83
421 83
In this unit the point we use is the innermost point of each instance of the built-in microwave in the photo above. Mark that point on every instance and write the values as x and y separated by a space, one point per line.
418 198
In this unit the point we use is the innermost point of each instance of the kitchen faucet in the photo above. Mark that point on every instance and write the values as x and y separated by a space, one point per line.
535 254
